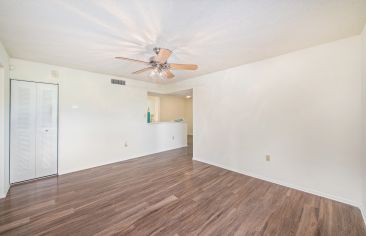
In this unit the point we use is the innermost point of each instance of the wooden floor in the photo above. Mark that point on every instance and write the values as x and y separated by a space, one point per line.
169 194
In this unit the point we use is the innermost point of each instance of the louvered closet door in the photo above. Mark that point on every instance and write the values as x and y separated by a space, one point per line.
23 131
46 137
33 142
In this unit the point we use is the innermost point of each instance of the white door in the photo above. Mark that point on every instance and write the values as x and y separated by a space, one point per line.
23 131
33 133
46 136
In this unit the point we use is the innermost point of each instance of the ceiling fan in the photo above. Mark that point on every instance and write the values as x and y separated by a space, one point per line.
158 65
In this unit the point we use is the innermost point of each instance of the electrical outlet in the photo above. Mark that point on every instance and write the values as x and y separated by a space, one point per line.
173 137
268 157
126 144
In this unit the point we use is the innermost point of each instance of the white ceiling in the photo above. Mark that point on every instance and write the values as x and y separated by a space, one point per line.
214 34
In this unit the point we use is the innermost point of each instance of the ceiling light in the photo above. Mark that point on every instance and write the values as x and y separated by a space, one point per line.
188 97
157 73
163 74
154 73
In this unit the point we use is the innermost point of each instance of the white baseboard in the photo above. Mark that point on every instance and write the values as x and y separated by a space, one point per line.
3 195
279 182
363 212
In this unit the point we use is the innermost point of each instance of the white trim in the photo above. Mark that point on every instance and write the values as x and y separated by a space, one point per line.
279 182
3 195
363 213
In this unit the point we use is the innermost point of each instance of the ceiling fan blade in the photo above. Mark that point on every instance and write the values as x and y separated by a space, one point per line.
163 55
133 60
183 66
143 70
169 74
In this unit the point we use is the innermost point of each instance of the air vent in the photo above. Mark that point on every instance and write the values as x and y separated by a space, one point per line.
117 81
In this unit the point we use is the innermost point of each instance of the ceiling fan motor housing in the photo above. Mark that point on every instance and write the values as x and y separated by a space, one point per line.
156 50
158 64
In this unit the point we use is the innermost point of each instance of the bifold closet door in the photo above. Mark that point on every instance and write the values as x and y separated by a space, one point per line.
46 130
33 142
23 131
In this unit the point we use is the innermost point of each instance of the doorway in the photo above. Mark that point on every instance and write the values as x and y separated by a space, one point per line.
173 107
33 130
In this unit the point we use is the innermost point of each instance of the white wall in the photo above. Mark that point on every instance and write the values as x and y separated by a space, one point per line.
175 131
303 108
4 121
364 119
107 116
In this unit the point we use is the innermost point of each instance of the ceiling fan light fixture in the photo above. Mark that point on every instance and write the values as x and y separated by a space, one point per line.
163 74
157 73
159 68
152 74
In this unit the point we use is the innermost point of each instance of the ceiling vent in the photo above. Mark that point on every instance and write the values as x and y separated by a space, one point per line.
117 81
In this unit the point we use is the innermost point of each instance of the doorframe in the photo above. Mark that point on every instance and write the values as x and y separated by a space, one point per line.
58 122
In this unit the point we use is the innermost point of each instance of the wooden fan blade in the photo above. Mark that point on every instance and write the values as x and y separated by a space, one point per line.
169 74
133 60
163 55
143 70
183 66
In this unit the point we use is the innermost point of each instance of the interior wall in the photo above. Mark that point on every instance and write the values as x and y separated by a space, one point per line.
4 121
2 133
188 114
154 107
100 122
175 107
364 119
303 108
171 107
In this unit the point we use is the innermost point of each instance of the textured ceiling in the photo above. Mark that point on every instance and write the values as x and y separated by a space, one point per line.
214 34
